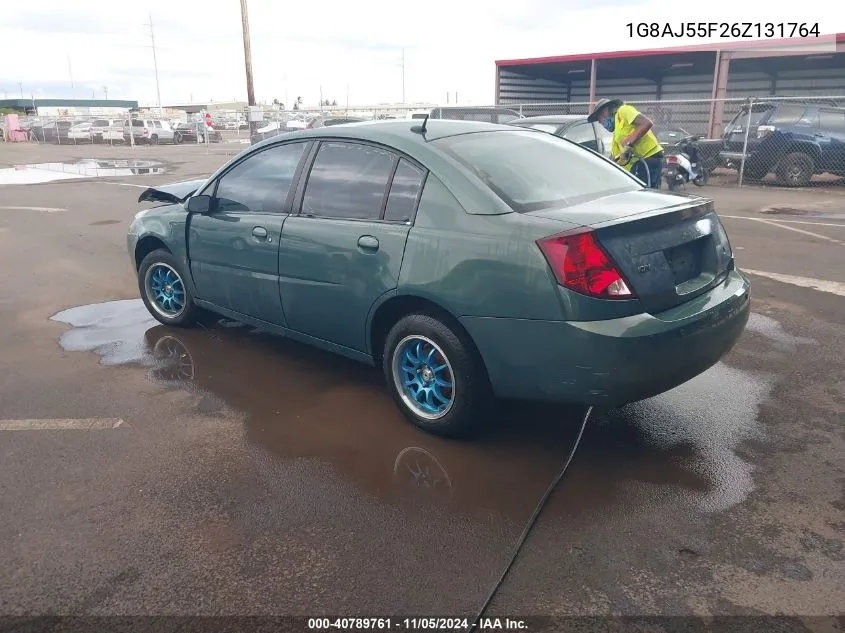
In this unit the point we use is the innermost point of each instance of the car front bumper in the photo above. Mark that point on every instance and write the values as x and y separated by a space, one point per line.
612 362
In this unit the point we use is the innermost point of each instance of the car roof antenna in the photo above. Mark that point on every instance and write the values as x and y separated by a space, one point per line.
421 129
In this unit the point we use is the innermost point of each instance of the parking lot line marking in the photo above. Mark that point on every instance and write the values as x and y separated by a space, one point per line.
123 184
47 209
822 285
791 228
743 217
61 424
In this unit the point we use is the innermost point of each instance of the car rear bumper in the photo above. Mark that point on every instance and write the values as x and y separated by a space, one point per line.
612 362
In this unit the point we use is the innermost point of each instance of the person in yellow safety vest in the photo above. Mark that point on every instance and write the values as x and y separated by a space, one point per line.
634 144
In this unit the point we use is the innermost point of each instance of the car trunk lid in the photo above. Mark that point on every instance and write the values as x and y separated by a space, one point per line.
669 248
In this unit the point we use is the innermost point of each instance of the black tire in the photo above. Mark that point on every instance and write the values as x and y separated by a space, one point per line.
177 138
154 139
795 169
673 184
702 179
470 396
191 314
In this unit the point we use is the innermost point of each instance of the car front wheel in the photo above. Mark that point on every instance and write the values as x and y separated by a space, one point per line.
435 377
164 291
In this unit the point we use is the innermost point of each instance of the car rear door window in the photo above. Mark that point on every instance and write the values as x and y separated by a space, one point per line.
404 191
348 180
583 134
259 184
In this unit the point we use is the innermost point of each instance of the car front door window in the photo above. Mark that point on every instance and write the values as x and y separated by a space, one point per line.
261 183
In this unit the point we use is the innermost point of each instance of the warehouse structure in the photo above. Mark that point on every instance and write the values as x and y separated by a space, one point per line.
704 76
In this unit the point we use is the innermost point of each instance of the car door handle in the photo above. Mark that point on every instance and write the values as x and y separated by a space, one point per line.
368 243
260 232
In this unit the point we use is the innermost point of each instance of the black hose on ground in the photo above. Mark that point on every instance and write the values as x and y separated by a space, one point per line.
531 521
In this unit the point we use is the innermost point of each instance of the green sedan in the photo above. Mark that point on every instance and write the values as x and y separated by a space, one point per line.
468 261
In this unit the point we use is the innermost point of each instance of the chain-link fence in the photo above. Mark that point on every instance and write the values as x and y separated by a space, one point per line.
788 141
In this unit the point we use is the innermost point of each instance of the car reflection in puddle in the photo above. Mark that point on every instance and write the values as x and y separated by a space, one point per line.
87 168
679 448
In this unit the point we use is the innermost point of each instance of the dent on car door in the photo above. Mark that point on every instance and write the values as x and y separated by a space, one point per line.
233 249
344 249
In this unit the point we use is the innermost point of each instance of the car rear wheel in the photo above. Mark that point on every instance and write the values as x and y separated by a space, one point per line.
795 169
154 140
177 138
435 377
164 291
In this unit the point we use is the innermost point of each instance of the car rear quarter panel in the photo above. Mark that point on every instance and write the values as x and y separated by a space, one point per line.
478 265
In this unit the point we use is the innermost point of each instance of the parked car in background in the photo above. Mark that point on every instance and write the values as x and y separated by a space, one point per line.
274 128
51 131
324 121
466 262
792 140
190 132
148 131
80 132
107 130
574 127
485 115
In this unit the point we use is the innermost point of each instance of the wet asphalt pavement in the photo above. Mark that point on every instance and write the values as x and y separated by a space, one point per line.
234 472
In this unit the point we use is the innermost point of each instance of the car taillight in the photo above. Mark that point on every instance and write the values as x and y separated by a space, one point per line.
672 160
146 131
765 130
580 264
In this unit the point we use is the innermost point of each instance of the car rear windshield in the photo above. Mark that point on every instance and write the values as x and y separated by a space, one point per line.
100 123
531 171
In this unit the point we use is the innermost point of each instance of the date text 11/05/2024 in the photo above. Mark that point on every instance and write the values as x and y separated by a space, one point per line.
723 29
416 624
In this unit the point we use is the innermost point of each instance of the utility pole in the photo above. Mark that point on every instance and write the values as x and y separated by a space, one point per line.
20 85
403 76
70 71
106 92
155 62
321 97
250 90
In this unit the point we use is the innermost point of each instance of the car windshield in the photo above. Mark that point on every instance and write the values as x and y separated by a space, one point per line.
531 171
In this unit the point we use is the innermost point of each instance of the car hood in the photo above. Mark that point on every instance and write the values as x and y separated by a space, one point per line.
174 192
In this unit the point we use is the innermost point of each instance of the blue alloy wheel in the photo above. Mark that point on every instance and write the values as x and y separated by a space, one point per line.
166 290
423 377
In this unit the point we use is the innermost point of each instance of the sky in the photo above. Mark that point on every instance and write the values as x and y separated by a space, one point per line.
340 49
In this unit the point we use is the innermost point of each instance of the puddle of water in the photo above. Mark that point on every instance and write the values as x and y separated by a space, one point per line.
114 330
88 168
303 404
772 330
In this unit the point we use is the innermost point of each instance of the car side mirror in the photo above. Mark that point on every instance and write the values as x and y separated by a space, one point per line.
198 204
